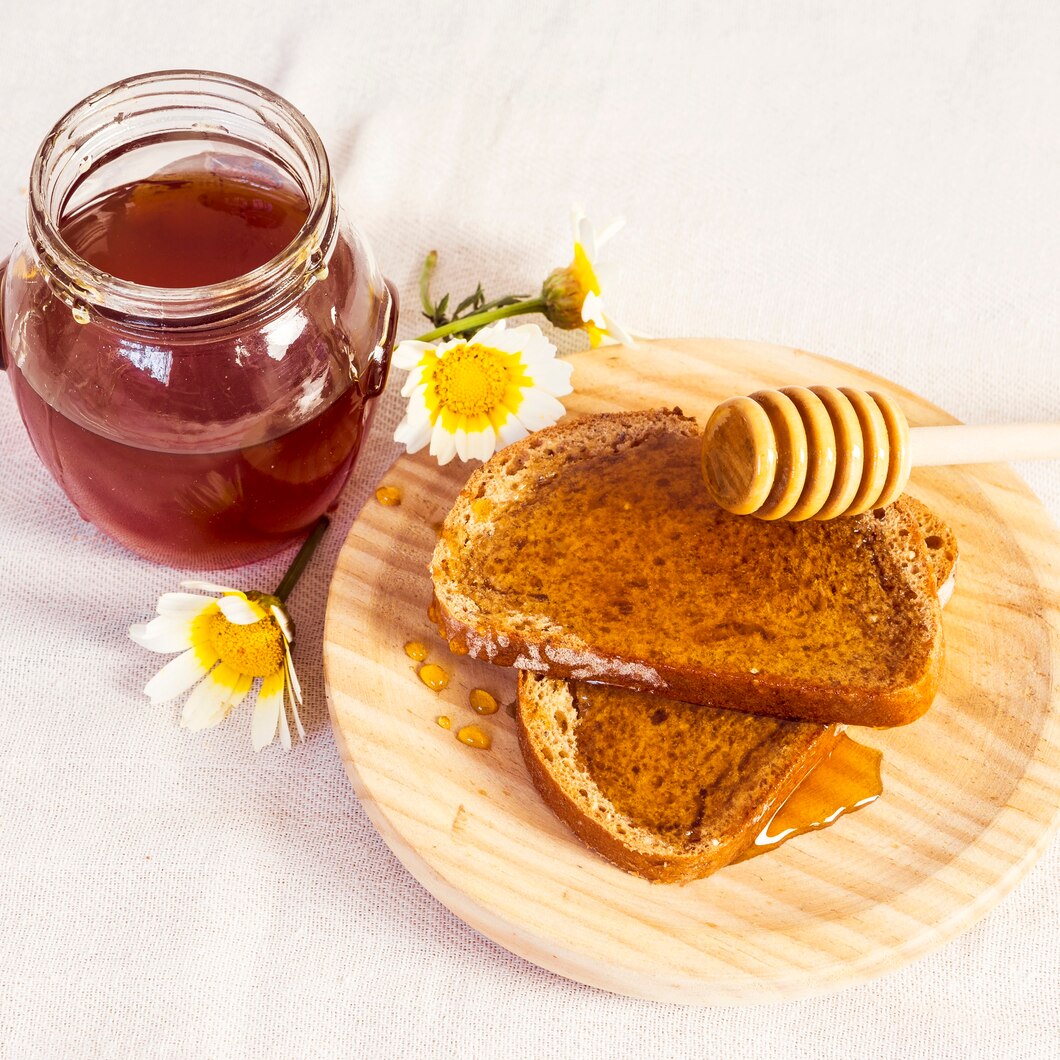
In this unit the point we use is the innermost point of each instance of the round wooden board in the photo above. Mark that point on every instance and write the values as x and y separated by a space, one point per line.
972 789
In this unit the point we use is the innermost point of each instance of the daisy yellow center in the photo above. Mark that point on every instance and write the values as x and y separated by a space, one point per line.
255 650
471 380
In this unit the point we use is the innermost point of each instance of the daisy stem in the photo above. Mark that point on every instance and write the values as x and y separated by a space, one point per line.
478 320
301 561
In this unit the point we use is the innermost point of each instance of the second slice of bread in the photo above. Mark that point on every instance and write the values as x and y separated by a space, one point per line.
669 791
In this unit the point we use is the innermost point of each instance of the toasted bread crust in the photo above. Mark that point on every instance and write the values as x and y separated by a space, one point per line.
941 544
461 608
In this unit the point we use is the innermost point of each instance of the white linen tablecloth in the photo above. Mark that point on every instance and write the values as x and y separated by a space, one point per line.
874 182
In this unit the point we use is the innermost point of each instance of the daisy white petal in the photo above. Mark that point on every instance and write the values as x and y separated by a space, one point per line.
537 350
184 603
285 732
418 415
538 410
239 692
585 234
416 425
240 611
413 440
488 335
443 445
209 587
165 634
409 353
412 437
292 677
617 332
267 711
414 385
593 310
460 441
609 231
481 444
554 377
179 674
296 700
508 340
208 703
510 431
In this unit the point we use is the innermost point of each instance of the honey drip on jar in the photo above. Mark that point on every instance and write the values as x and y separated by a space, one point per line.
847 780
388 496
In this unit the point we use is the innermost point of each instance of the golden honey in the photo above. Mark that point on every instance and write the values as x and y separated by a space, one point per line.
416 650
482 702
388 496
474 736
847 780
443 721
434 677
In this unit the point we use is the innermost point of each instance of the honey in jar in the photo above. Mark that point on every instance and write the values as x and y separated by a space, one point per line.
192 330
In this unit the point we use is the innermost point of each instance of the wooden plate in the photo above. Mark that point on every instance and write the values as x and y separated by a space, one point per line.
972 789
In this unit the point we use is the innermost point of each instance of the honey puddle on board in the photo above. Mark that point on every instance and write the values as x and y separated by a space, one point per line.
847 780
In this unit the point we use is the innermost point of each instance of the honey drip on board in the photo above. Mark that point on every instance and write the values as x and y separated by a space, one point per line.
416 650
443 721
388 496
474 736
434 677
847 780
482 702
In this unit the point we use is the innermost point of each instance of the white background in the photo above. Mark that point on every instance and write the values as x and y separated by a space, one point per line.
874 182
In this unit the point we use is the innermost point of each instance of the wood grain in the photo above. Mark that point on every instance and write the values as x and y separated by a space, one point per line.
972 790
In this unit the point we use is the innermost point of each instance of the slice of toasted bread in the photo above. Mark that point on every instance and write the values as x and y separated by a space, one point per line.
668 790
591 550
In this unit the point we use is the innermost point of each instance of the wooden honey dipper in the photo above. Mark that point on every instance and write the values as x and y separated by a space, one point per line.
821 452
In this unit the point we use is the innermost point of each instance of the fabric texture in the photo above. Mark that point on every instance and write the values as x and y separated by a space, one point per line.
875 183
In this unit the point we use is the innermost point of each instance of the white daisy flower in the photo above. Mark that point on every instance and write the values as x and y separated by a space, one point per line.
470 397
225 644
573 296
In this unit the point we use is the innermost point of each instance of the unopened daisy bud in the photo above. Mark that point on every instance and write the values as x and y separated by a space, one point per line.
564 297
572 295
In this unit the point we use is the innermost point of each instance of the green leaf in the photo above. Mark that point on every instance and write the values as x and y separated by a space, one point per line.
473 300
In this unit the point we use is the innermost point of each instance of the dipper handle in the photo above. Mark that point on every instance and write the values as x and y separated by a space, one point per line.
821 452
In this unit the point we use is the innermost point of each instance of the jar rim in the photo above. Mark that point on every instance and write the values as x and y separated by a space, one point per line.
84 286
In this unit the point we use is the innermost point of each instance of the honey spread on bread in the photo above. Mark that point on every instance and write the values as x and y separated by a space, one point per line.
672 791
667 790
591 551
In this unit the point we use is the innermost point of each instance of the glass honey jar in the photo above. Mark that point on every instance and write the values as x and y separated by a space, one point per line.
194 333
